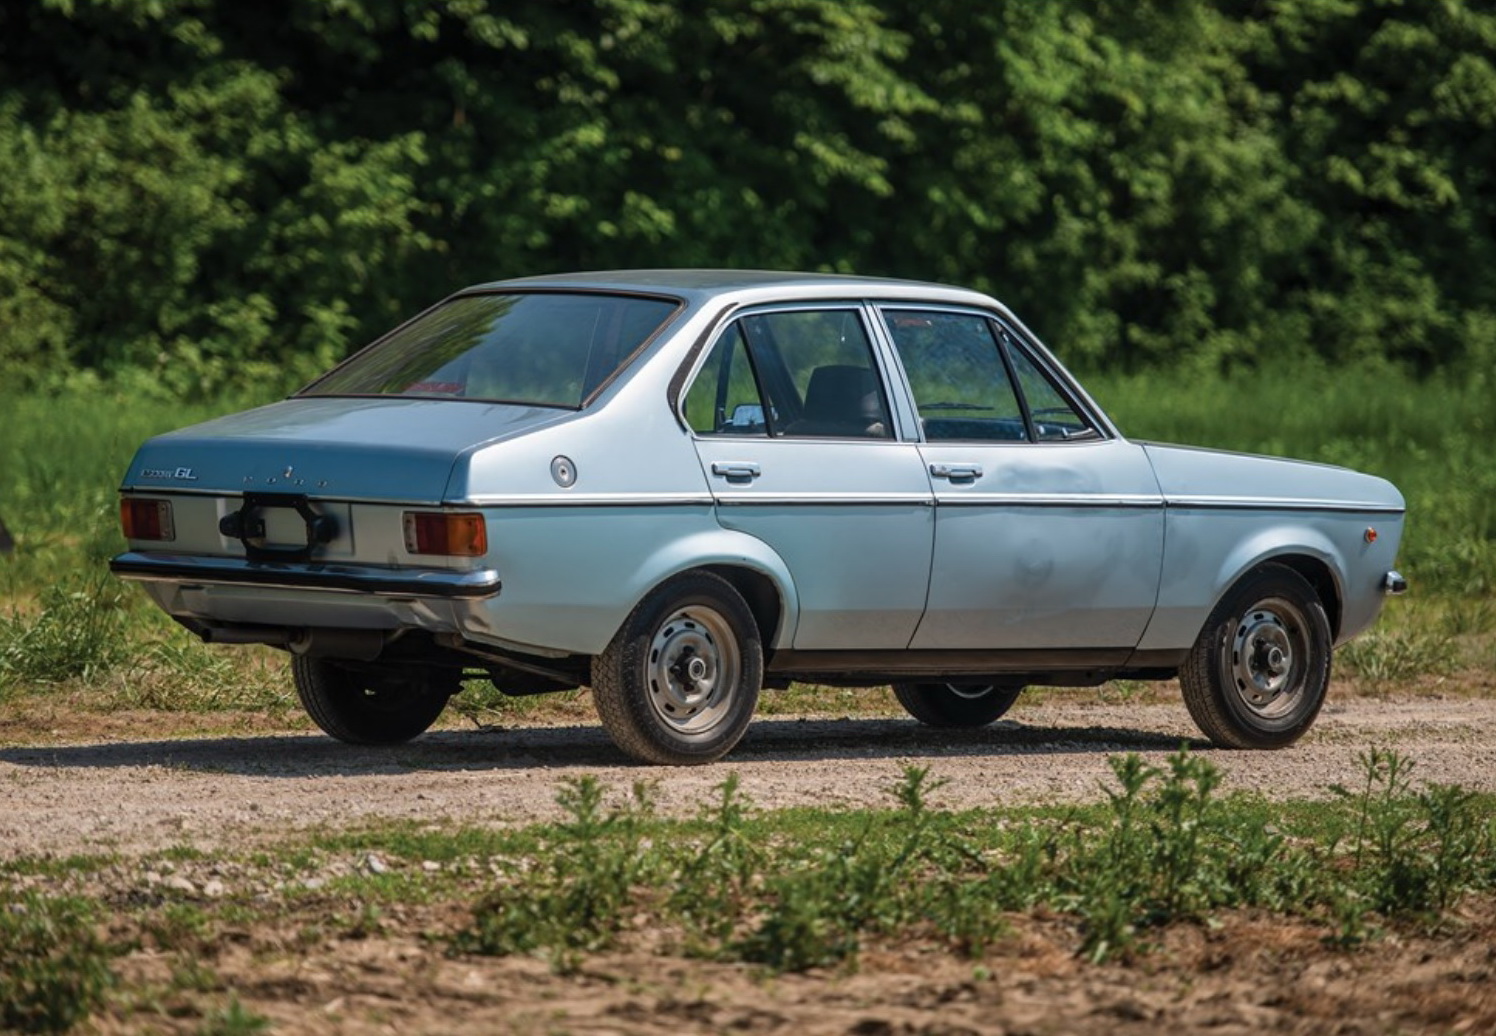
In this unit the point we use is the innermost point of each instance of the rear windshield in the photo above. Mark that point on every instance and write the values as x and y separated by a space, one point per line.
546 349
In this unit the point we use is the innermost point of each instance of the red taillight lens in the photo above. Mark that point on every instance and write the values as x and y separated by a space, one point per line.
143 519
454 535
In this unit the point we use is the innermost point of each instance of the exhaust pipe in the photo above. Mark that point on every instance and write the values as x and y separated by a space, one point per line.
275 636
355 645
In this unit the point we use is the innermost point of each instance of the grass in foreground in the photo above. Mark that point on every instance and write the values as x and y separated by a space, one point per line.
787 891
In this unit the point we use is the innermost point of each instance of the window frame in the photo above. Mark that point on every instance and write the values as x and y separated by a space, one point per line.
882 364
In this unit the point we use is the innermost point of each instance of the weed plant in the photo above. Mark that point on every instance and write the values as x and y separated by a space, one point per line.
77 633
785 890
1165 849
54 968
576 897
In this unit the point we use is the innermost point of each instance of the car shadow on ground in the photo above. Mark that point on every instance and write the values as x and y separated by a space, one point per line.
769 740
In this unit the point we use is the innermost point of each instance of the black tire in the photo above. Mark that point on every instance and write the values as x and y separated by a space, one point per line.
1258 673
365 707
956 705
679 682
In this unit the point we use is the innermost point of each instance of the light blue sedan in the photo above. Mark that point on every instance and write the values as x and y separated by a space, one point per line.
681 487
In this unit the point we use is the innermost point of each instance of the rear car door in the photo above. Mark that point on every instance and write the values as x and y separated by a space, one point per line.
1048 530
793 428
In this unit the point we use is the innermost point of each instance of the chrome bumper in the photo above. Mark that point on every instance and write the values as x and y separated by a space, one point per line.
339 578
1393 584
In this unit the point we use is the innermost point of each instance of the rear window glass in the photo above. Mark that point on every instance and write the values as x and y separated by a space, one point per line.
546 349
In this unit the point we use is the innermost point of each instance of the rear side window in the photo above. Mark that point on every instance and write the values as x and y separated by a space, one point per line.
548 349
724 399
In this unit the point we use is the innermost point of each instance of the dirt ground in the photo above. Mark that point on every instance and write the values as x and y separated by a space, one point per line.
123 788
127 790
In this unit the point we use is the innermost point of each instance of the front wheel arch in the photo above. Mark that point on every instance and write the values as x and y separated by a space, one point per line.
1314 565
1320 576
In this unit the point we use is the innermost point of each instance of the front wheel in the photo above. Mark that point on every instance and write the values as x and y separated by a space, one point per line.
1257 675
679 682
956 705
365 706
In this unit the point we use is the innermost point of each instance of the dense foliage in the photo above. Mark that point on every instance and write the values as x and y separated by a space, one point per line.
212 193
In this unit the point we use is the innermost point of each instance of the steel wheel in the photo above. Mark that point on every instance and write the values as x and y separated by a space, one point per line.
956 705
694 666
1266 656
1258 673
679 682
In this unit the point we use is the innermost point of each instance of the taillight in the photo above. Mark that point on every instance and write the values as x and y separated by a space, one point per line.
441 532
144 519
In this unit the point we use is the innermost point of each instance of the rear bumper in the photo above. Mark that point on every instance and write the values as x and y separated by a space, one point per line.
187 570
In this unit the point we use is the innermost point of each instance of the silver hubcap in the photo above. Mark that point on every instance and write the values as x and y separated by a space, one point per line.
693 670
1265 656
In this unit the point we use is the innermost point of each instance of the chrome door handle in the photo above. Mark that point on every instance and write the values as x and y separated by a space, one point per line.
957 473
736 471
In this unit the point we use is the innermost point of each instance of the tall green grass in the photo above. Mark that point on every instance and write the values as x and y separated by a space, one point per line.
62 616
61 460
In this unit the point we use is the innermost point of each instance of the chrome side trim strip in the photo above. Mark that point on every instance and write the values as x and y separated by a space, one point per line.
587 500
831 499
1090 501
337 578
1248 503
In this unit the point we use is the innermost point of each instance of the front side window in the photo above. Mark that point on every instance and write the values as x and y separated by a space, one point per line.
956 372
547 349
791 374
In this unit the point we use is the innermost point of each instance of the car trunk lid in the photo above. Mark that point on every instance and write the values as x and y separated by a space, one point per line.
336 448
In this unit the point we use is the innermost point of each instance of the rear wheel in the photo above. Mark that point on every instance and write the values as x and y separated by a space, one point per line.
679 682
367 706
956 705
1257 675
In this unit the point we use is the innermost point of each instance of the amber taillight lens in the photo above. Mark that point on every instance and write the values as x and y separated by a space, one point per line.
441 532
145 519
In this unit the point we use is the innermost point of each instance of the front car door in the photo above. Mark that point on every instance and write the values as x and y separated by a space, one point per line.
1048 530
794 432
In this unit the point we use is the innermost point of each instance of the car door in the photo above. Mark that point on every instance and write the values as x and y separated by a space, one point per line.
1048 530
794 432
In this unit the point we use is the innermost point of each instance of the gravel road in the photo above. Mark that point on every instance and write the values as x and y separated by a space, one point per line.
220 792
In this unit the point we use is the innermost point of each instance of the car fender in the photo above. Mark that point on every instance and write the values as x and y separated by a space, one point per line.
1294 540
1203 561
725 548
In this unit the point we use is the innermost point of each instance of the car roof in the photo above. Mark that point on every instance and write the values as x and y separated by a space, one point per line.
745 285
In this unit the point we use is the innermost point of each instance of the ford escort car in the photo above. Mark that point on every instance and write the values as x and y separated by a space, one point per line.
682 487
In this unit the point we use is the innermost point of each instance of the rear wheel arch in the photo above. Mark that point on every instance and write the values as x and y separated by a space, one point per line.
763 596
